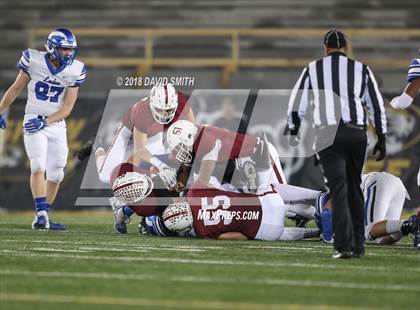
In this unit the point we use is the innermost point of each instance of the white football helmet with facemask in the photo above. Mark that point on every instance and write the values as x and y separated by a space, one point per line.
180 137
163 101
132 187
178 217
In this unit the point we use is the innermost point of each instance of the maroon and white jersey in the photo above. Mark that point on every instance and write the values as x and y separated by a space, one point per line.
232 145
140 116
216 212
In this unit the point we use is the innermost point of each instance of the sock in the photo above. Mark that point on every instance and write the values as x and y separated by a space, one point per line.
41 204
127 211
393 226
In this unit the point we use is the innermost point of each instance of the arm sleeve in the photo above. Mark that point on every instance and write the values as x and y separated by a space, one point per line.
24 62
413 70
81 78
299 100
375 104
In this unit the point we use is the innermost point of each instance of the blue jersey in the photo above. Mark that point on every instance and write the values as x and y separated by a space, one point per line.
47 86
414 70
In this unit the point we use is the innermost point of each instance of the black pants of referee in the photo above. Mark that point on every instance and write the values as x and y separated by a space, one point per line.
342 165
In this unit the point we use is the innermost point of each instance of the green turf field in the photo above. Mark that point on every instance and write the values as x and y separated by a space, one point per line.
91 267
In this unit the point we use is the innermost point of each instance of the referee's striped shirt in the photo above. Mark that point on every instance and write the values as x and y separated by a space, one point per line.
339 88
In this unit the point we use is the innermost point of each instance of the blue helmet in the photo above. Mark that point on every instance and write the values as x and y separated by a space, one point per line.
61 38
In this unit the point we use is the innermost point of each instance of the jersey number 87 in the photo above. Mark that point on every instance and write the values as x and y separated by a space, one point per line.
43 90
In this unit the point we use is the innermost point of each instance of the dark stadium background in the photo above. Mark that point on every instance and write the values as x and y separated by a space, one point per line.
224 44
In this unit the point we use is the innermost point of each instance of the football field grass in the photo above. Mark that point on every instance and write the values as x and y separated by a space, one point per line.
91 267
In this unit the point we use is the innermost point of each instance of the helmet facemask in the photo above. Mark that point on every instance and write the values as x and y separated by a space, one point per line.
58 39
163 103
183 153
163 116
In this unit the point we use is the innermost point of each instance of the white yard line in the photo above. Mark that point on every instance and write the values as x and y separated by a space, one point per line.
163 303
218 280
174 260
61 250
194 248
121 247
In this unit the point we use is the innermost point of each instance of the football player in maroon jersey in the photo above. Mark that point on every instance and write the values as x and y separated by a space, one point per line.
208 146
140 134
146 198
217 214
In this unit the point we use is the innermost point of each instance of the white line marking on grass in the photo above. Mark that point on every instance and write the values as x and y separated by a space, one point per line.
194 248
61 250
163 303
121 247
175 260
242 281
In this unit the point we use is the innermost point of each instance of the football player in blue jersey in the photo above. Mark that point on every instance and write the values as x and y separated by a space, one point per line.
52 78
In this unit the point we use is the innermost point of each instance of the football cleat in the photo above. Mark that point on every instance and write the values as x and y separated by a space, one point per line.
120 221
56 226
410 226
41 222
342 254
142 226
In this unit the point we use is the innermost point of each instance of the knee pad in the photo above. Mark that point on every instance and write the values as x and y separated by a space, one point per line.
38 164
55 175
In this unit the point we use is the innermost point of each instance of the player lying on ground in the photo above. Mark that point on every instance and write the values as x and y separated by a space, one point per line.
145 194
384 200
217 214
53 79
410 92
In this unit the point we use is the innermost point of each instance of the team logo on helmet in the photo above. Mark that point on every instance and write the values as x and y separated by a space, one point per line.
180 137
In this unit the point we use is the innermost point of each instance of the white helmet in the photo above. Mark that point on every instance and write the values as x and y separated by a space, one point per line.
163 101
178 217
132 187
180 137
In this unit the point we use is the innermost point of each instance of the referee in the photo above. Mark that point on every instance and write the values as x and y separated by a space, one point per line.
343 91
